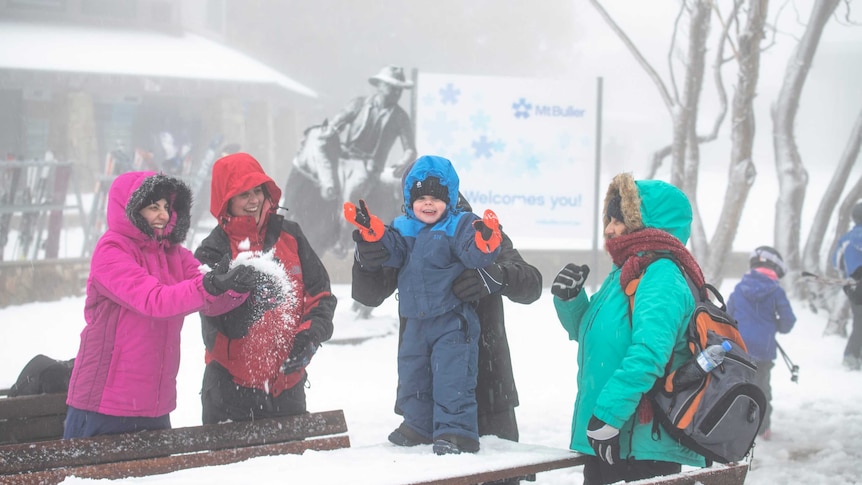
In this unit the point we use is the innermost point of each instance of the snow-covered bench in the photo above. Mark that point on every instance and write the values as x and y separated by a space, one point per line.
498 459
31 418
316 450
731 474
164 451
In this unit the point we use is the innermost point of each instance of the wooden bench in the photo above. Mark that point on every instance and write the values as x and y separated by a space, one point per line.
158 452
31 418
718 474
731 474
163 451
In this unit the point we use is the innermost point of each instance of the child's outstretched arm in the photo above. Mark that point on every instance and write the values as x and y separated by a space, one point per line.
370 226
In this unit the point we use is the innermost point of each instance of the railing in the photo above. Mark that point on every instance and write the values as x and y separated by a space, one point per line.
32 205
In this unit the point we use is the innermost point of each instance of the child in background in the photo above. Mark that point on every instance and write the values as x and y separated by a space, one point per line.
437 358
762 309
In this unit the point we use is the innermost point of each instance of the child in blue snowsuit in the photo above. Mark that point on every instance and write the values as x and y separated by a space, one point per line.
760 306
437 357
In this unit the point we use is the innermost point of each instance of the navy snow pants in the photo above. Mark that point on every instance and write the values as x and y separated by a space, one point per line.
437 370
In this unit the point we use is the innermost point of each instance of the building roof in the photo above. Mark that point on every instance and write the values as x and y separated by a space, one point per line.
148 54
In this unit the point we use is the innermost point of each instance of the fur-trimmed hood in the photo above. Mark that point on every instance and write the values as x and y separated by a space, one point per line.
132 191
650 203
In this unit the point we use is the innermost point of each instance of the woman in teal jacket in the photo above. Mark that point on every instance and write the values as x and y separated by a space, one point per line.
621 356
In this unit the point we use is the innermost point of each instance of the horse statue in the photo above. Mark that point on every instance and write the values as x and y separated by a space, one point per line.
312 193
315 192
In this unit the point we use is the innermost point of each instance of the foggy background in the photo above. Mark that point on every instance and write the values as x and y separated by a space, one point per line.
332 47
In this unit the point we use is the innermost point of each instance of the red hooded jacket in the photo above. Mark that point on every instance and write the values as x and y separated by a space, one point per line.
249 342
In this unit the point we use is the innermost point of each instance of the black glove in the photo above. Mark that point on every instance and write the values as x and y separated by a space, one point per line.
222 266
605 440
475 284
304 348
569 281
369 255
240 279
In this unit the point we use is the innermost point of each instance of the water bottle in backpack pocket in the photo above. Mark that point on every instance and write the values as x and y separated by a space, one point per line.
696 368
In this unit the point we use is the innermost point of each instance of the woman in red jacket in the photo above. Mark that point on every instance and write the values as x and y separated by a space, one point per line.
256 354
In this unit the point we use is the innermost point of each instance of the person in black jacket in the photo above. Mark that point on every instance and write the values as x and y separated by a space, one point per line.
509 276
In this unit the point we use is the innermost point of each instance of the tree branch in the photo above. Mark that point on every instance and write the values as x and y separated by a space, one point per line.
665 96
671 49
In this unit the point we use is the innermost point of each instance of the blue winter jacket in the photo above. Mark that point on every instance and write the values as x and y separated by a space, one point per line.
430 257
847 257
761 307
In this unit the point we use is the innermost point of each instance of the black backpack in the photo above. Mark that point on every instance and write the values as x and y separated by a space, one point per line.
43 375
719 415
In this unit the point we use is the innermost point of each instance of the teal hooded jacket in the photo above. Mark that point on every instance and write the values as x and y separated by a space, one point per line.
620 358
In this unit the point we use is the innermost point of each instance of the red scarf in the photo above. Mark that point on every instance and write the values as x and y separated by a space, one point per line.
635 251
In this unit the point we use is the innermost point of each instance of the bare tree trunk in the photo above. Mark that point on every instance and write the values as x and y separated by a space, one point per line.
657 159
699 24
684 150
742 172
699 244
677 152
792 176
814 244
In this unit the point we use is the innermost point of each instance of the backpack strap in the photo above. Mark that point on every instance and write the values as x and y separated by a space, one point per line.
698 293
630 292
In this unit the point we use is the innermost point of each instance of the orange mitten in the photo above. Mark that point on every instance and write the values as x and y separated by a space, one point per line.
488 236
370 226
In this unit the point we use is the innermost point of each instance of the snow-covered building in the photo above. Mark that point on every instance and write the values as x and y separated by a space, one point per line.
84 78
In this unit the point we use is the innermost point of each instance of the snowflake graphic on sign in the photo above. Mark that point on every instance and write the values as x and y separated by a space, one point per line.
482 147
522 108
449 94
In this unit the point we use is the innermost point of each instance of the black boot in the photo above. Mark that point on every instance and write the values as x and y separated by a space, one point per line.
452 444
406 436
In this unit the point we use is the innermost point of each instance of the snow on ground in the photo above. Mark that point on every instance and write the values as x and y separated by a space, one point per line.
817 422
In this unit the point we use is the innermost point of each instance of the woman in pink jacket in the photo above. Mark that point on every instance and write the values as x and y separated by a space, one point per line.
142 284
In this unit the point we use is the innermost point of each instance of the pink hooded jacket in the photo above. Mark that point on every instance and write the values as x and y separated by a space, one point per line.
139 291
